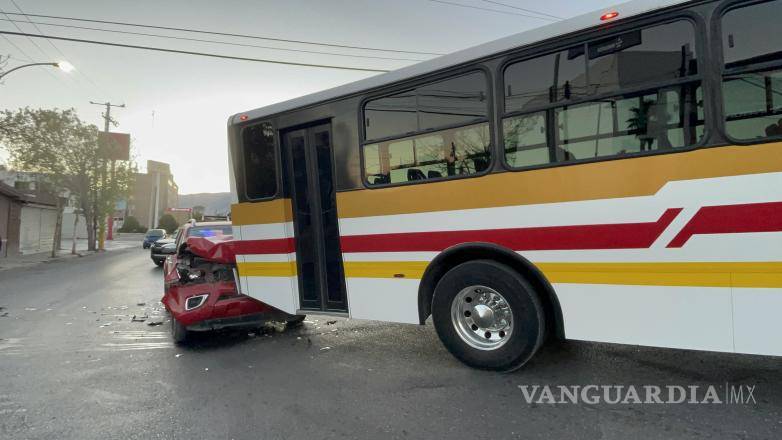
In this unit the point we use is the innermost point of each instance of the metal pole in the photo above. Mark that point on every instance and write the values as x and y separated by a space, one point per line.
2 75
102 170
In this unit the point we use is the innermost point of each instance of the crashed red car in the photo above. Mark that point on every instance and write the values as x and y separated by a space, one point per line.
200 284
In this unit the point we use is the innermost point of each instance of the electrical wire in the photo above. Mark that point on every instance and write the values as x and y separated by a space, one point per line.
491 10
57 49
226 34
522 9
188 52
144 34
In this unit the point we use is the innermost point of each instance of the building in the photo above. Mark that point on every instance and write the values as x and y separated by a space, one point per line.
152 194
28 221
10 213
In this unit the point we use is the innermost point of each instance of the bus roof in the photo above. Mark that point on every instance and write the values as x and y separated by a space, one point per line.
564 27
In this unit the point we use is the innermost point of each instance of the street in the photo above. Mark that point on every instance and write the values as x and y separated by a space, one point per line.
74 366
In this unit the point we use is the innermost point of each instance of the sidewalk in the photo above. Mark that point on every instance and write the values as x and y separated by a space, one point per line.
123 241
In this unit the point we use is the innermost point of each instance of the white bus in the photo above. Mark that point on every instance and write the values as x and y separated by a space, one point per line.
613 177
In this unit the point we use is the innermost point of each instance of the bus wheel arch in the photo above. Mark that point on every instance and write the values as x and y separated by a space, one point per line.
464 252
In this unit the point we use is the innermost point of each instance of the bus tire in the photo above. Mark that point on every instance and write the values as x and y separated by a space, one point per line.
488 316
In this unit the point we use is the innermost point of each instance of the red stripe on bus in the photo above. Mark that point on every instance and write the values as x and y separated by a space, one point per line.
600 236
271 246
731 219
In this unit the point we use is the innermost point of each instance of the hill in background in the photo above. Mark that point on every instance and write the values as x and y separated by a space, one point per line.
215 203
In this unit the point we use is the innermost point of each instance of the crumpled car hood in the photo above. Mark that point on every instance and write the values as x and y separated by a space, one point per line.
219 249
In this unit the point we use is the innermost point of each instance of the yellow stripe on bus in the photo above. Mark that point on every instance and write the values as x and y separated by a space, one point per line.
601 180
699 274
267 269
385 269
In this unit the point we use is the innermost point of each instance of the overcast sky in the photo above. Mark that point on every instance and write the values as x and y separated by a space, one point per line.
178 105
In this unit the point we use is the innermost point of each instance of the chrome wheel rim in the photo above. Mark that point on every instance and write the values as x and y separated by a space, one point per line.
482 317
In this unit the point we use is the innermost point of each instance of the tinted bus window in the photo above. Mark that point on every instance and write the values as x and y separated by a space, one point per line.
455 101
448 153
660 53
651 108
390 116
460 100
752 85
630 124
751 34
525 140
548 79
260 166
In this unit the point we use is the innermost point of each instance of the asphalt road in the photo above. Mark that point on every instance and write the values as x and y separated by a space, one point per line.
74 366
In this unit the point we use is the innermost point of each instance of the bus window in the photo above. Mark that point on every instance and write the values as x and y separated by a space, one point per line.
260 166
391 116
460 100
455 101
540 81
553 116
628 124
448 153
525 140
752 84
659 53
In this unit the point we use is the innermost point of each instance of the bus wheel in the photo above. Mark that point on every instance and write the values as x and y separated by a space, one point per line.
488 316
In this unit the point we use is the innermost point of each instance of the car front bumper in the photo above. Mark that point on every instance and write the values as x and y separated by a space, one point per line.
222 308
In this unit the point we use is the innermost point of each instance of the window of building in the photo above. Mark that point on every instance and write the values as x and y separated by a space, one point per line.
447 153
455 101
752 81
628 93
260 165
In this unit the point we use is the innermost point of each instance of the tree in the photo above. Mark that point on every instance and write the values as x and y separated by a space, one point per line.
131 224
65 150
168 222
198 212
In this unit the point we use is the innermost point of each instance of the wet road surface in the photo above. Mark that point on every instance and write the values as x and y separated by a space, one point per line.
74 366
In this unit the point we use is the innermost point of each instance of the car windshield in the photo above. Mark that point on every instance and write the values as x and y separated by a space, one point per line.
156 233
210 231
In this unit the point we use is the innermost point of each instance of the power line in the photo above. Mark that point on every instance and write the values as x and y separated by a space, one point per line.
225 34
491 10
522 9
57 49
20 30
188 52
200 40
34 44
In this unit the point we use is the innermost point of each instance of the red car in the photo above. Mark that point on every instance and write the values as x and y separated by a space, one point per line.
200 284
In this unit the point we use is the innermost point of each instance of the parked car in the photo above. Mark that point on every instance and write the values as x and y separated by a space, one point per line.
152 236
200 284
162 249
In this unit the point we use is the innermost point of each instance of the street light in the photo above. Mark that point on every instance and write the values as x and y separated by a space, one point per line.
62 65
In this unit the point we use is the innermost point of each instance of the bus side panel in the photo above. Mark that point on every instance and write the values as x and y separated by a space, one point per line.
679 250
266 260
384 299
756 313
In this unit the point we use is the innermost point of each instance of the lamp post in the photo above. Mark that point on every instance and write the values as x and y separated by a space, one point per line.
62 65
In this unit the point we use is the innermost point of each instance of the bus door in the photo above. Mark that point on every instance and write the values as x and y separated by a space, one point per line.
309 182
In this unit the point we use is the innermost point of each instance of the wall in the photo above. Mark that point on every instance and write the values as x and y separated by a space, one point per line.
37 229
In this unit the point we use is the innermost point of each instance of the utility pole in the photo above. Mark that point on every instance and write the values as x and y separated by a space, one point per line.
102 170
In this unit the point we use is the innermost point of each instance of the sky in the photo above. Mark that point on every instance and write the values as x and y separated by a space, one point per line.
177 106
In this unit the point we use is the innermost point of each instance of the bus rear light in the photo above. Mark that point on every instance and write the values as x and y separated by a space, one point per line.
243 117
609 16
